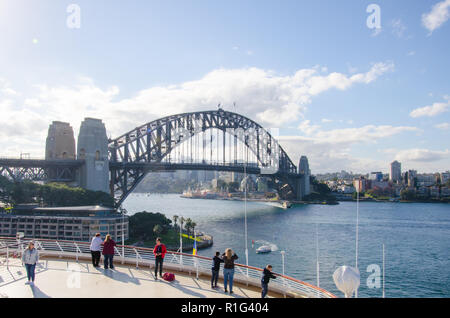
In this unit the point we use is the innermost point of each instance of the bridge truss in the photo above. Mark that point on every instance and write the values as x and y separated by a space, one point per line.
208 140
39 169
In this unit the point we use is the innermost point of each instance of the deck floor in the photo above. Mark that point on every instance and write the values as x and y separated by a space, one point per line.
58 278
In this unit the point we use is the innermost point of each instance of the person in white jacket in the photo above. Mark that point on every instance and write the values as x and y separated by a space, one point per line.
30 257
96 247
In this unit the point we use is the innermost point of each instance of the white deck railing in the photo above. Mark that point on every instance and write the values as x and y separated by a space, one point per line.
143 257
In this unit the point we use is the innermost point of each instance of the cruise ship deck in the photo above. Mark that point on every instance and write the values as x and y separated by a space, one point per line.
65 270
68 279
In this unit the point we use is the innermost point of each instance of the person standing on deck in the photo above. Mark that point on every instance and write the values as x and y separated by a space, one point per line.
228 268
215 269
96 247
30 257
159 251
108 251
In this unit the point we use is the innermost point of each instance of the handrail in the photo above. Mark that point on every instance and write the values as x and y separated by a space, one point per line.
195 263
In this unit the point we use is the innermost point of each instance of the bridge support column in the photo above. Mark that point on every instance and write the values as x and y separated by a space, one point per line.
93 148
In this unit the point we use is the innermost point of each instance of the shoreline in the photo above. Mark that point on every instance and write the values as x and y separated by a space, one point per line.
280 202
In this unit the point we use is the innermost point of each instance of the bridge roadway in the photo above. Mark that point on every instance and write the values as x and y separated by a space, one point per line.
40 163
152 166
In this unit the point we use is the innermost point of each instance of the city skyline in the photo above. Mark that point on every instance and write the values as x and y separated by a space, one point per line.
348 103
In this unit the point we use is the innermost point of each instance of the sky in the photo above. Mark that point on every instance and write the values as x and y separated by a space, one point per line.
353 85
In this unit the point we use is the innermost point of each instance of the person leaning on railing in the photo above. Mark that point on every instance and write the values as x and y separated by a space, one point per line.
215 269
96 247
108 251
30 257
267 275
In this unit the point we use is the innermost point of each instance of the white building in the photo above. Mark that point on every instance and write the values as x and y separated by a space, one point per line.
396 171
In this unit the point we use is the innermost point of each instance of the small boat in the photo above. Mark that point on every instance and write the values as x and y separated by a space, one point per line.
286 205
263 249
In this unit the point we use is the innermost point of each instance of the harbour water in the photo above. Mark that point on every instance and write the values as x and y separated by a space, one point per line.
416 238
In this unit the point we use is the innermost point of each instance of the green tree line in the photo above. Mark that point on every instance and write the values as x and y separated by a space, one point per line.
51 194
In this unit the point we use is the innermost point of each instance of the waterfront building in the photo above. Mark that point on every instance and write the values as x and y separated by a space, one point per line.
445 192
411 178
434 192
445 176
426 179
360 184
346 189
248 184
376 176
78 223
379 184
396 172
261 184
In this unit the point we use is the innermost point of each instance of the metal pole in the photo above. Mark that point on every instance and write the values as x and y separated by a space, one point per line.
181 241
383 272
282 265
245 210
317 255
123 236
195 256
357 223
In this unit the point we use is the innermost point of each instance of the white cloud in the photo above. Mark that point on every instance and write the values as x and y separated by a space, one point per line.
443 126
376 32
326 120
270 99
438 15
331 150
398 28
422 155
431 110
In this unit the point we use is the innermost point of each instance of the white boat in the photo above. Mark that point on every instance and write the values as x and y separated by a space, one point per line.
263 249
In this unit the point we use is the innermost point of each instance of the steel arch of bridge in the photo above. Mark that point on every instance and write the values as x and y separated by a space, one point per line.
148 148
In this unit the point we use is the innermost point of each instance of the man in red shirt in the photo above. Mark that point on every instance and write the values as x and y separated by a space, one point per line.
159 251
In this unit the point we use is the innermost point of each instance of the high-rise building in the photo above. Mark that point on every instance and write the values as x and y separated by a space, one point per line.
303 168
396 171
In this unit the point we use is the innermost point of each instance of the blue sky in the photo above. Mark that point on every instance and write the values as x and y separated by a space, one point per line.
341 93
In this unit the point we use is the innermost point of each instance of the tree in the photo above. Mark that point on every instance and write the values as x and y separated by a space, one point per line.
188 225
142 225
157 229
407 195
193 225
175 219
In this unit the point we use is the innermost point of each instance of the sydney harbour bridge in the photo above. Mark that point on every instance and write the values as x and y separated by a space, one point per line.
215 140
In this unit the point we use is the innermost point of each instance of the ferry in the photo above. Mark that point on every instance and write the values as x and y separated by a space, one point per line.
263 249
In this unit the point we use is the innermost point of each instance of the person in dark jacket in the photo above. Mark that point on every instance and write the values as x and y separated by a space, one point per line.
267 275
108 251
159 251
215 269
228 268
